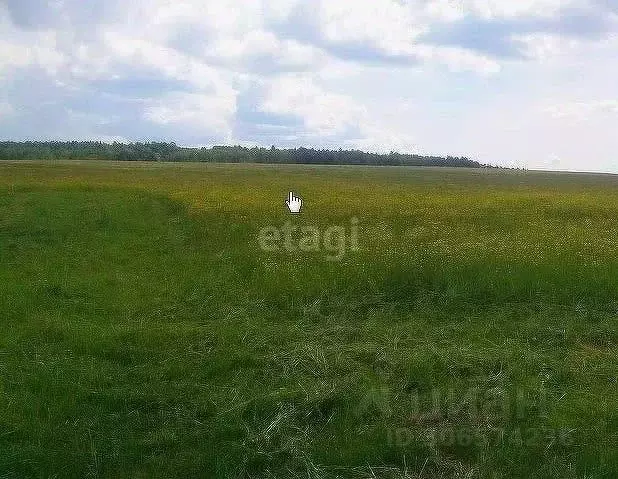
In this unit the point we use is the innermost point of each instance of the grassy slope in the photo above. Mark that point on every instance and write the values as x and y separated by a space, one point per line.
144 333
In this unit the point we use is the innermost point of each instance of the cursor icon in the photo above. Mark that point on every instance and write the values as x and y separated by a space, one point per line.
294 203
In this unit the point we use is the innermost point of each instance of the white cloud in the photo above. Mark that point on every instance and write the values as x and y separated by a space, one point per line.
546 46
260 50
378 139
330 116
510 8
19 50
168 62
322 112
444 10
458 59
448 10
209 113
386 24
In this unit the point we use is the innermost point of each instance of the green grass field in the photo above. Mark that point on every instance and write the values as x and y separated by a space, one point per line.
145 334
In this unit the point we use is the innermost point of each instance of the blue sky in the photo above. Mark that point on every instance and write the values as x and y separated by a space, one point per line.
529 83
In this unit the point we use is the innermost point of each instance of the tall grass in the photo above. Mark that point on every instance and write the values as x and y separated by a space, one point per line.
144 333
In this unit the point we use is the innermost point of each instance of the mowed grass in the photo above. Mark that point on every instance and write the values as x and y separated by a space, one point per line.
144 333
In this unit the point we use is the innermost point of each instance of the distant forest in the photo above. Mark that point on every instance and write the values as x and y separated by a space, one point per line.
158 151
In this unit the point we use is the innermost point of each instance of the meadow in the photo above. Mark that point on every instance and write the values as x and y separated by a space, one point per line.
145 333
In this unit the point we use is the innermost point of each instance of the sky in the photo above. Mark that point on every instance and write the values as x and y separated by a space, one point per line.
518 83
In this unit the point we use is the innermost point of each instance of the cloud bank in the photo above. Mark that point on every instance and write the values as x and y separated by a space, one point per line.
529 83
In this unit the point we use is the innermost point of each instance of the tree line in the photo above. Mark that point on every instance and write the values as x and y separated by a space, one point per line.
162 151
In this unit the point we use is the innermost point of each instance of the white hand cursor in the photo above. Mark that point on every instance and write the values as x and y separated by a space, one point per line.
294 203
